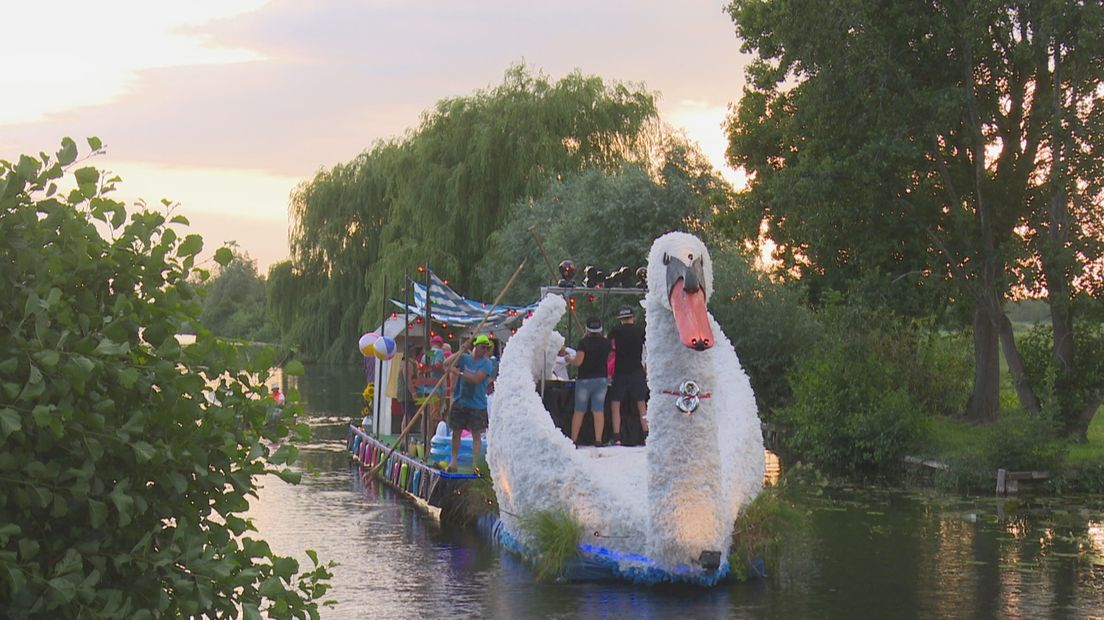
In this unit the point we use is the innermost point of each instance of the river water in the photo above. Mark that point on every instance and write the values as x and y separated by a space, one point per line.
860 553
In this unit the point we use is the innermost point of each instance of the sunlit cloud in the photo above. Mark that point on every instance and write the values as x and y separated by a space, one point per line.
61 55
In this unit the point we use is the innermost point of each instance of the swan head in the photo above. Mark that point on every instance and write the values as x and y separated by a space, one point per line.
680 280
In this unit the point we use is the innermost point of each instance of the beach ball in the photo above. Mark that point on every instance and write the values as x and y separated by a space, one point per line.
385 348
366 343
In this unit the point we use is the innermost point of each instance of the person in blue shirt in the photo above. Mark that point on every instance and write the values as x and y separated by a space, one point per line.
469 407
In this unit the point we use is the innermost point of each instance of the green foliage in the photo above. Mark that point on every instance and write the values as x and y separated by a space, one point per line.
1084 385
909 153
555 537
767 322
852 409
605 219
126 459
1020 442
234 300
436 196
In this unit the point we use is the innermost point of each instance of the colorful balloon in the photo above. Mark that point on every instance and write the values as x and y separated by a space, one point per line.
366 343
385 348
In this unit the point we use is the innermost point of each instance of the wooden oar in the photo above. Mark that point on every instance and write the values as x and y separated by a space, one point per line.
418 414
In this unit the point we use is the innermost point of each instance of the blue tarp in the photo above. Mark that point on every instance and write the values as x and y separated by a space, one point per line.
448 306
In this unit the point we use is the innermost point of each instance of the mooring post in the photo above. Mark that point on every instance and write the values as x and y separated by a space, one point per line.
1002 482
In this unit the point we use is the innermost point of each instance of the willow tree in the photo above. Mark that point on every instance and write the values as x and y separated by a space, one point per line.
950 148
437 195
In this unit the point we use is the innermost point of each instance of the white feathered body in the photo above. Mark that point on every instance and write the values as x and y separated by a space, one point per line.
670 500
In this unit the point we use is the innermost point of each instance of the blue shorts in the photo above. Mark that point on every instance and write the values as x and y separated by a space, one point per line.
590 392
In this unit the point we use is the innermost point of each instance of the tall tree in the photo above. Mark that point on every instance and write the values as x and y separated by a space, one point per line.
437 194
950 147
234 300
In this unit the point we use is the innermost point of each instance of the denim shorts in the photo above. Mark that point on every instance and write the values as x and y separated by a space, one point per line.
590 392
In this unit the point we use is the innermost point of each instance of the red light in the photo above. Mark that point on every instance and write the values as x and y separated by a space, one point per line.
451 336
394 315
590 298
421 268
418 320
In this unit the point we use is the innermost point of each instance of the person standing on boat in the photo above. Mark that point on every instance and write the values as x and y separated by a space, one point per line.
590 384
433 363
407 388
628 371
469 407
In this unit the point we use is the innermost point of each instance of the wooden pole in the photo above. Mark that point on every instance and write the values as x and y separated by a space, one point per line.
414 420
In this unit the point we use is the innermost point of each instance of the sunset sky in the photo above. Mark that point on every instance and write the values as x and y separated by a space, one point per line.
224 106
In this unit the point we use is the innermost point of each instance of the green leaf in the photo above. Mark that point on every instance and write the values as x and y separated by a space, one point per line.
143 451
285 567
87 179
28 548
223 256
107 347
48 358
284 454
191 246
34 386
7 530
94 143
128 377
43 415
68 152
272 588
9 422
8 366
290 476
97 512
179 219
250 611
295 368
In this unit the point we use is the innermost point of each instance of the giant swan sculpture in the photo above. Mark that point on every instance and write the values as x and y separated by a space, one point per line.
661 512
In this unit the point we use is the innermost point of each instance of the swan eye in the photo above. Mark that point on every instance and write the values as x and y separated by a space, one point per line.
691 257
666 259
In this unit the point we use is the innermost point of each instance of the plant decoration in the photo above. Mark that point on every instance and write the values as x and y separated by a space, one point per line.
554 537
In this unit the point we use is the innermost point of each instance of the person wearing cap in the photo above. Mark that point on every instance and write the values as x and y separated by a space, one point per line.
628 371
433 368
590 384
469 406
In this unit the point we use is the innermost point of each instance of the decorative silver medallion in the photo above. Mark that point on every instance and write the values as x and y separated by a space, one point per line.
688 400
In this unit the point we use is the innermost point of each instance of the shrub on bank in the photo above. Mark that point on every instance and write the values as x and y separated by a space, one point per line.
126 459
853 409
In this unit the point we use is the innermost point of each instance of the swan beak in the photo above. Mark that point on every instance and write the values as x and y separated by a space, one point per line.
687 298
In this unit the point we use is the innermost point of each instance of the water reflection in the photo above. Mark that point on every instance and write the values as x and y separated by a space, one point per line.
864 553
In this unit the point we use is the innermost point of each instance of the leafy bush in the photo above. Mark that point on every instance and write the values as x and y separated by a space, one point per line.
852 409
126 459
1020 441
1076 392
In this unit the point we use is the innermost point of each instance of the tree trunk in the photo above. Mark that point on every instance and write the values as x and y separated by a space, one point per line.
984 406
1028 399
1080 427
